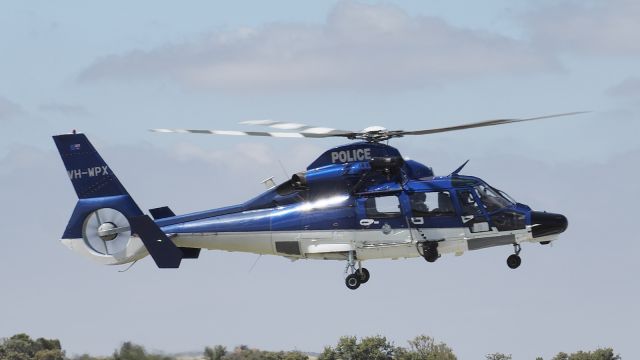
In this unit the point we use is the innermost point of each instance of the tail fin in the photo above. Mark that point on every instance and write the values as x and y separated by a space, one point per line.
90 175
106 224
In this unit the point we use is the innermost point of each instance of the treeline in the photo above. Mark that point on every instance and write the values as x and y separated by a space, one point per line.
23 347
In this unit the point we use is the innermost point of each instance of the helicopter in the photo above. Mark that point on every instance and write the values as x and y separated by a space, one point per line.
355 202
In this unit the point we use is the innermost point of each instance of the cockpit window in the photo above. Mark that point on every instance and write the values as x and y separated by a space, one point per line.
491 198
431 204
382 207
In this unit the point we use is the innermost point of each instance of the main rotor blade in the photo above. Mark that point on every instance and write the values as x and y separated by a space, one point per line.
255 133
482 124
302 128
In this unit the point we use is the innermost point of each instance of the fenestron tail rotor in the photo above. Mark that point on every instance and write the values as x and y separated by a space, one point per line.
106 231
370 134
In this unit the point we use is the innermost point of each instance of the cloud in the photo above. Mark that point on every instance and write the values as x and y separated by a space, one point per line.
9 109
587 27
64 109
359 46
629 87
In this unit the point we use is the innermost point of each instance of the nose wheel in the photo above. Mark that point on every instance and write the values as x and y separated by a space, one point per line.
514 260
357 276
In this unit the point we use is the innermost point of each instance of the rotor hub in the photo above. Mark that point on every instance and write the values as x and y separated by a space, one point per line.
374 129
105 231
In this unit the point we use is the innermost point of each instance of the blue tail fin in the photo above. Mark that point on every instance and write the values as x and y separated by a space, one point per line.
100 192
90 175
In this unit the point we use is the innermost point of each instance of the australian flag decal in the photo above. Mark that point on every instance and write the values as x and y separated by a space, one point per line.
74 147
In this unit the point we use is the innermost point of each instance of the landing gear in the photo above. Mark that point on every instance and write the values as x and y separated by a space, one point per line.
363 275
514 260
352 281
356 277
429 250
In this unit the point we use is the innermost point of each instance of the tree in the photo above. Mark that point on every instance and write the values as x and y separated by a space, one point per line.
217 353
369 348
131 351
328 354
243 352
22 347
425 348
375 348
598 354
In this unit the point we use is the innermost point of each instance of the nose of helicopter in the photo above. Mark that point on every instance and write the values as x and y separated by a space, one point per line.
545 223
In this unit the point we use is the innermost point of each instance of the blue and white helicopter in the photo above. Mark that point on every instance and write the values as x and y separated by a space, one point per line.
355 202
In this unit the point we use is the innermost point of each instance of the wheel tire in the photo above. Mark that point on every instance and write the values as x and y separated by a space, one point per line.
363 275
545 242
514 261
352 281
431 255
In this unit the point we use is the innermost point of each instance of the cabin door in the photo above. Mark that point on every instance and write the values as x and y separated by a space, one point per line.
382 220
471 212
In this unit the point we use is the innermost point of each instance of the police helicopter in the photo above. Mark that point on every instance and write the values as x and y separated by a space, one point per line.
355 202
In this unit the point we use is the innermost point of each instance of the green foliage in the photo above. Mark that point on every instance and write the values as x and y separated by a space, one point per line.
599 354
425 348
131 351
328 354
22 347
497 356
243 352
378 348
217 353
348 348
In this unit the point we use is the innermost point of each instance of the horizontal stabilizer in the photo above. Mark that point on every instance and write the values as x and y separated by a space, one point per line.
190 253
161 212
163 251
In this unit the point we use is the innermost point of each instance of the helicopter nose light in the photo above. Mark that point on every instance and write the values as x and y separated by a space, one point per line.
547 223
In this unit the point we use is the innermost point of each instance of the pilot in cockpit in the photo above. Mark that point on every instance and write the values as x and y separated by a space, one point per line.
418 203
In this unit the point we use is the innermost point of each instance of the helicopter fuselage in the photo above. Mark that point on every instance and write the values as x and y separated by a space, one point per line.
391 223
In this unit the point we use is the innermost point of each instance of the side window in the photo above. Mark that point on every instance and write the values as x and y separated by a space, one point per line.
431 204
468 203
382 207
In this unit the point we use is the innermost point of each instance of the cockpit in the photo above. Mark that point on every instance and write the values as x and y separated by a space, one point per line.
493 199
478 205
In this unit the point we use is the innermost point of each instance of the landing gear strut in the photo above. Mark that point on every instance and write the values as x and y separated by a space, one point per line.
356 277
514 260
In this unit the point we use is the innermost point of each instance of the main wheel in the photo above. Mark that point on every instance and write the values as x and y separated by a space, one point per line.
431 254
363 275
352 281
514 261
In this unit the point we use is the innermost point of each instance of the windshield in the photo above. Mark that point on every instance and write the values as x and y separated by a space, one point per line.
506 196
492 199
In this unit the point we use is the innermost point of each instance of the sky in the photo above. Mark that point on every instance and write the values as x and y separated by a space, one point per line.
115 69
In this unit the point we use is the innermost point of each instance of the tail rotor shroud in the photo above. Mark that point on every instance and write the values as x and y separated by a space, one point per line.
106 231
